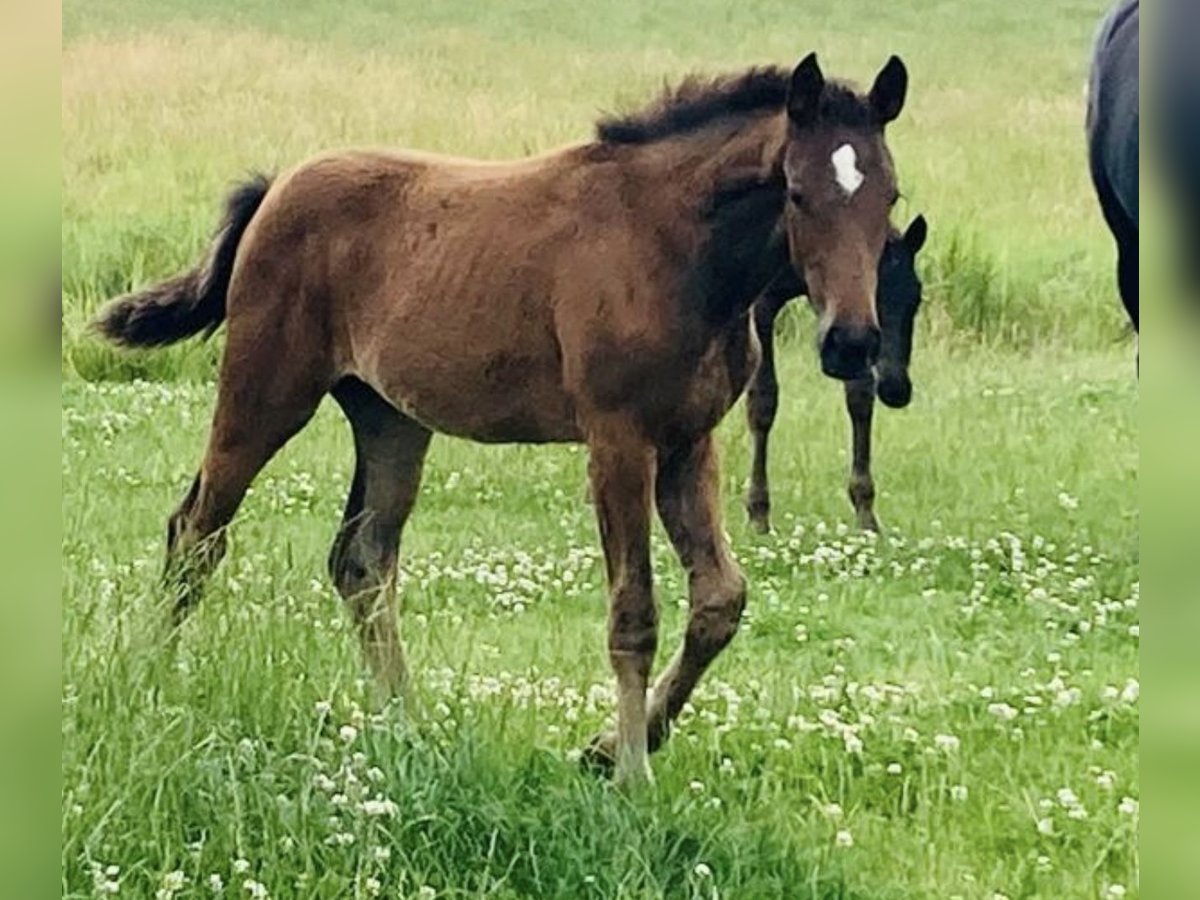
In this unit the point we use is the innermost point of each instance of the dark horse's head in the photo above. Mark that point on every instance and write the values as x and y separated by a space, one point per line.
898 299
841 187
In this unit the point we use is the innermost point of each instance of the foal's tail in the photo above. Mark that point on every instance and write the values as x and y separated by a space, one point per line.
194 301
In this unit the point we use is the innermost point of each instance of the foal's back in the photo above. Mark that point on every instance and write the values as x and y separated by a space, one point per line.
485 299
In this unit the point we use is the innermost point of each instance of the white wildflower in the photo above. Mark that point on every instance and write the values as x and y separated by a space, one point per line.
380 806
946 742
844 838
1002 711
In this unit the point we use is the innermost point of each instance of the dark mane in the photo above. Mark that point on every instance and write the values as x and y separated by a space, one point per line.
700 100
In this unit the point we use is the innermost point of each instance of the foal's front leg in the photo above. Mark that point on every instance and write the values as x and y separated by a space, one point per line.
762 403
622 477
688 500
860 405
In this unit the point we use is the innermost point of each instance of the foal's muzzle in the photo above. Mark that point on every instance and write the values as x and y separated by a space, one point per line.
894 389
849 351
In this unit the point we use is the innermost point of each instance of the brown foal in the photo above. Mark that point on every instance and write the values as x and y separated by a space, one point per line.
600 293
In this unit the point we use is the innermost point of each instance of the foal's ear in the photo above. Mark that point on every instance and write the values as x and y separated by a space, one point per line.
915 235
888 91
804 91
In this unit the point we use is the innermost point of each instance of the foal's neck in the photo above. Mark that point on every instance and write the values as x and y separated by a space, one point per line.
731 189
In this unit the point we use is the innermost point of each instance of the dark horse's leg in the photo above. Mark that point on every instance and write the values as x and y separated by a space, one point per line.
686 492
261 404
762 403
390 453
621 468
860 405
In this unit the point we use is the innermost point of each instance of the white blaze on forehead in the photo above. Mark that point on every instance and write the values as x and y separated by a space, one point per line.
845 168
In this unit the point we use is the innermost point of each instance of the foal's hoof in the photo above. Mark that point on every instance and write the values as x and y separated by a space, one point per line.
760 519
868 522
600 756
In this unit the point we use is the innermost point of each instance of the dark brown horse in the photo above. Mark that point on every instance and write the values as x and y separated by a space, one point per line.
897 297
600 293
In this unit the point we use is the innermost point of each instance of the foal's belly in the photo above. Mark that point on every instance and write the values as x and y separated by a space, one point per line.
480 388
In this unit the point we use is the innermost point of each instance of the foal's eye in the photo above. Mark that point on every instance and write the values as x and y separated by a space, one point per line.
795 198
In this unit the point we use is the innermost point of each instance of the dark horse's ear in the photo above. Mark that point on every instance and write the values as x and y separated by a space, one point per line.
804 91
915 235
887 93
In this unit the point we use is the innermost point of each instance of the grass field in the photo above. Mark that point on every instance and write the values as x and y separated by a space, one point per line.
948 710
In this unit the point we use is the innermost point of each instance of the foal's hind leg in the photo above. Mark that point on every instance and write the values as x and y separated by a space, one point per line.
261 403
390 450
860 404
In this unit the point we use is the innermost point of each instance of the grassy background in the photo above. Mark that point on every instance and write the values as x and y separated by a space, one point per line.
1009 574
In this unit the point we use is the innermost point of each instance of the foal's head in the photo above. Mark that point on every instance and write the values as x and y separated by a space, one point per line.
840 188
899 298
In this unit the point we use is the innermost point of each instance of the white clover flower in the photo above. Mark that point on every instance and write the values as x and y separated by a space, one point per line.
381 854
256 889
958 793
1128 806
1105 780
1131 691
216 884
946 742
1045 826
1134 632
701 870
853 742
1043 863
241 866
697 787
426 892
1066 501
380 806
1002 711
1067 797
1114 892
1077 812
894 768
322 707
833 811
348 733
844 838
373 886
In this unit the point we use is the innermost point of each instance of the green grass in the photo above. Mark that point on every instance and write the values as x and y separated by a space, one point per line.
984 652
992 586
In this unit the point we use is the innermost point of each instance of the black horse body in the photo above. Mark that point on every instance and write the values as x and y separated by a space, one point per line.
1112 132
